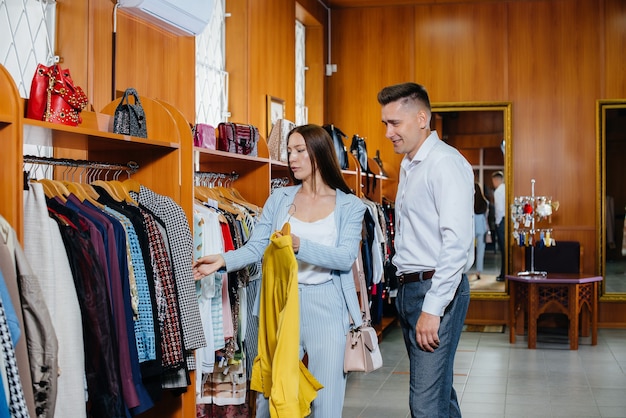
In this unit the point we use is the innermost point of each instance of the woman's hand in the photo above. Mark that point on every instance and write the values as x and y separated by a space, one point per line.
207 265
295 241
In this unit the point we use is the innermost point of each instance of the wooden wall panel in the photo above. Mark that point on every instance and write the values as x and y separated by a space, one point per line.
487 312
315 9
461 51
73 39
100 54
237 63
315 75
272 57
149 59
615 45
158 64
554 84
366 62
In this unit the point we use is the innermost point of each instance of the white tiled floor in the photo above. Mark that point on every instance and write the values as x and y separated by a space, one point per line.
496 379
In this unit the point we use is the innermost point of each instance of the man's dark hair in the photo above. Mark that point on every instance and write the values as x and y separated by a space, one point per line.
405 91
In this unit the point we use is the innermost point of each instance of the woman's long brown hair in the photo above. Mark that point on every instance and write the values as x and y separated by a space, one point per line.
321 151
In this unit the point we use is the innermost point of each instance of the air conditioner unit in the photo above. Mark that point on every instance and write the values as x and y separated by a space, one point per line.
182 17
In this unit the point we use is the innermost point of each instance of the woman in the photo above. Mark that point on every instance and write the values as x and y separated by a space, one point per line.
326 224
481 206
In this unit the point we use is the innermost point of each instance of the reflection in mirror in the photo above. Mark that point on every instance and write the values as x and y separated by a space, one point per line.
482 133
611 131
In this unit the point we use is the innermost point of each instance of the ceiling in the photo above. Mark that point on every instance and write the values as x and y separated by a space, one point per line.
372 3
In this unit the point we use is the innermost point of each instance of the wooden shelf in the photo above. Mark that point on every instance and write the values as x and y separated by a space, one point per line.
99 134
254 172
208 155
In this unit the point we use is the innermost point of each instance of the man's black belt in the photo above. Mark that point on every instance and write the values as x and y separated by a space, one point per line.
416 277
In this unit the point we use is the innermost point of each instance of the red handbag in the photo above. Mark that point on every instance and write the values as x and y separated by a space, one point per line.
238 138
54 97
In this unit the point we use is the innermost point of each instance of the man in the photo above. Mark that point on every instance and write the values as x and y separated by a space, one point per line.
497 179
434 247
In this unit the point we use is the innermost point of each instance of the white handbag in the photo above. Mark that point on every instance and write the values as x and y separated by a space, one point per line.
362 353
277 140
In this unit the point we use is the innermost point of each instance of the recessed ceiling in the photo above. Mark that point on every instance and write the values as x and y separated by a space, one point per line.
375 3
371 3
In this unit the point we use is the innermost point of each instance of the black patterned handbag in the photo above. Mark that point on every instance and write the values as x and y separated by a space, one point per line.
130 118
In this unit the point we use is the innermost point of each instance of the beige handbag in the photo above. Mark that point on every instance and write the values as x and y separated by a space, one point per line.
362 353
277 141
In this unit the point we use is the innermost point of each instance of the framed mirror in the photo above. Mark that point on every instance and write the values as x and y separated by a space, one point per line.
482 133
611 202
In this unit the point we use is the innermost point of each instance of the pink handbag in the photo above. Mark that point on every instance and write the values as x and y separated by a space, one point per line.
204 136
362 353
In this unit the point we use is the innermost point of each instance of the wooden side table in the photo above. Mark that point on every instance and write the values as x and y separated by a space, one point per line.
575 295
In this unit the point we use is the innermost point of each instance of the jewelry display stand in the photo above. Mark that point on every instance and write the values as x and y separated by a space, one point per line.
526 212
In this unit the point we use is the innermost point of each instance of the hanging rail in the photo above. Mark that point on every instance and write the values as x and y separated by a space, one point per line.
211 179
131 167
95 167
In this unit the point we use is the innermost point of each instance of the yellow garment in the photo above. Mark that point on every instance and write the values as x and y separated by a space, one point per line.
287 382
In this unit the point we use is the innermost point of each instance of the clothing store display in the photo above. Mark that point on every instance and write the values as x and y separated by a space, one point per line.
130 118
121 313
227 304
54 97
181 253
43 242
224 384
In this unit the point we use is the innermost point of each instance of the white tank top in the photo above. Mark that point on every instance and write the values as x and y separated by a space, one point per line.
324 232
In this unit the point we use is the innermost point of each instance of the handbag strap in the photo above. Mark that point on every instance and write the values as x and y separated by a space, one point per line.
130 92
361 288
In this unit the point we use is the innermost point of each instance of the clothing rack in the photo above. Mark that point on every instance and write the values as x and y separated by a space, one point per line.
212 179
94 168
278 183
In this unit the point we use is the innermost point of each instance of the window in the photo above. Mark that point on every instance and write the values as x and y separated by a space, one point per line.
211 77
27 38
301 109
27 31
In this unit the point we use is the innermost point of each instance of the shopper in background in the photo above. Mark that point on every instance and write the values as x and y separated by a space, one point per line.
498 202
481 206
434 246
326 223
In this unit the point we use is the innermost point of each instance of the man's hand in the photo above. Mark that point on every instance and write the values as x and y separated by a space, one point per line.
207 265
427 331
